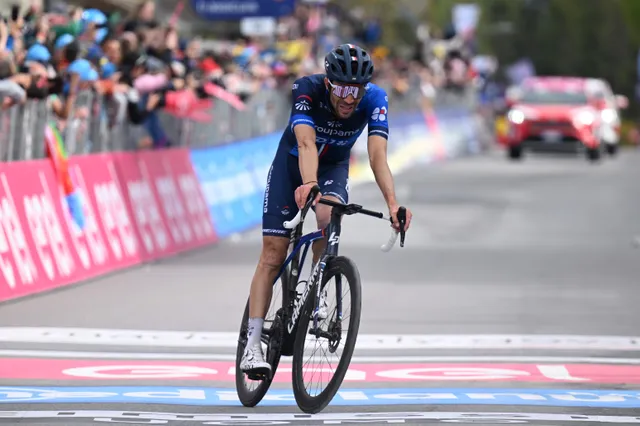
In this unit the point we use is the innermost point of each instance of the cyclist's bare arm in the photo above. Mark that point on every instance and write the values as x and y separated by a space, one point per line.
307 152
377 148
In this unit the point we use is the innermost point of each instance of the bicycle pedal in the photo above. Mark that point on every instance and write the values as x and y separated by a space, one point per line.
259 375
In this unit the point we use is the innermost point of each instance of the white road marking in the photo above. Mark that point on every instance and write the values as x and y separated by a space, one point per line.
159 338
18 353
326 418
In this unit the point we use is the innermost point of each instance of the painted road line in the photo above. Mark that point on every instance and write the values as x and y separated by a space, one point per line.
242 418
280 397
58 369
178 356
95 336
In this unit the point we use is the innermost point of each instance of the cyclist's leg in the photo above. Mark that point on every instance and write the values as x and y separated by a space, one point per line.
278 206
273 254
334 185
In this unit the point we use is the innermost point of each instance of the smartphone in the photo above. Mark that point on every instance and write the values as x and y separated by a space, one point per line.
15 12
56 85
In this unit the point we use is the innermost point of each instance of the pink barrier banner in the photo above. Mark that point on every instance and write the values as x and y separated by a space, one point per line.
103 370
165 201
138 207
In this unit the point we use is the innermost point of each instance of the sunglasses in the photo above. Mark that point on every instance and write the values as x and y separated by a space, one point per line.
344 91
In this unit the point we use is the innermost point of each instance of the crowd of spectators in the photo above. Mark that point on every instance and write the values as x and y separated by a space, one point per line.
302 40
138 64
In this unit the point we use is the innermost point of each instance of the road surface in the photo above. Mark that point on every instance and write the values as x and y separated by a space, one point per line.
516 294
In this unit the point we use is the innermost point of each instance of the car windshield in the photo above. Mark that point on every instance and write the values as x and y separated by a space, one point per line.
553 97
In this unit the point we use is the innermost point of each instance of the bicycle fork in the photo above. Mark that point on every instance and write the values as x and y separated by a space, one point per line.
333 240
318 283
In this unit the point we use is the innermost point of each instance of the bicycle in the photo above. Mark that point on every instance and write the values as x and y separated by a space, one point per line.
287 334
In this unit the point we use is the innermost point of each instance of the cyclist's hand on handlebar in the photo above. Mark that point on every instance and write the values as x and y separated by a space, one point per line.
302 193
393 211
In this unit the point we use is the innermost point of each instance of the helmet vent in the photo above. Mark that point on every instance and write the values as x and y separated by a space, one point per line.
343 66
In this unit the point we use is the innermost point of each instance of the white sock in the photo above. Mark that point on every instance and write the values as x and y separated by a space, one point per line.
254 331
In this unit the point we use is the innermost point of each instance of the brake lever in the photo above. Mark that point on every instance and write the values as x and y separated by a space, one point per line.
402 221
302 213
312 196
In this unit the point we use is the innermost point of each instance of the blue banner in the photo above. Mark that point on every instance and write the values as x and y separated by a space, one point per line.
203 396
238 9
233 179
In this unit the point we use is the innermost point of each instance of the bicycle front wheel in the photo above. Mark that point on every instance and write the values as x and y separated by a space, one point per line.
328 337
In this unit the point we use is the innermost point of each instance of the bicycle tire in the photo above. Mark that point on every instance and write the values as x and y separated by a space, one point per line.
252 398
314 404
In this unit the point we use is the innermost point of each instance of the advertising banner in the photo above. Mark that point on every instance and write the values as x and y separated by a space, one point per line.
35 249
41 247
165 202
226 10
233 178
137 207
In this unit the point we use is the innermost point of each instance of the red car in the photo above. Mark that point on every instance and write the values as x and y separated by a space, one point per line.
560 114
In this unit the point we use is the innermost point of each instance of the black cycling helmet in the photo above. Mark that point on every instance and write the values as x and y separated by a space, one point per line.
349 63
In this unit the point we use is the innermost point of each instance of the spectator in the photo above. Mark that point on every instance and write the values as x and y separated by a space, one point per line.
144 17
73 27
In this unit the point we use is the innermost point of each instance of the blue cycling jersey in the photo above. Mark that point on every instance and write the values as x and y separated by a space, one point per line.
334 137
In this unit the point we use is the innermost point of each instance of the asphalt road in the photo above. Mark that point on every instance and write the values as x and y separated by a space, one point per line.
542 247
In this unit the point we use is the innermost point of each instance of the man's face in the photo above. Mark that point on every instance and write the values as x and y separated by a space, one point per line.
37 70
193 49
344 97
113 52
147 11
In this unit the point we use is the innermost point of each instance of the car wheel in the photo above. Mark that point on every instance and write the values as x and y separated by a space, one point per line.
612 149
593 154
515 152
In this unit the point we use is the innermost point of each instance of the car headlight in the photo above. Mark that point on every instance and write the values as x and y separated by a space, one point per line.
585 118
609 116
516 116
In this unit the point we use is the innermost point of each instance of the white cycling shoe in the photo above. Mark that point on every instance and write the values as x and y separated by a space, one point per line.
253 363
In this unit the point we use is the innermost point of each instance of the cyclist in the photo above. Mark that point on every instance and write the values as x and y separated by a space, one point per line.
328 114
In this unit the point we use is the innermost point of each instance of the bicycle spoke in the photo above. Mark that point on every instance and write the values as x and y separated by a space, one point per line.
319 360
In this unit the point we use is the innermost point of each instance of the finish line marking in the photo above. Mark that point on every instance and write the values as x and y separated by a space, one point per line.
287 360
325 418
224 397
83 370
89 336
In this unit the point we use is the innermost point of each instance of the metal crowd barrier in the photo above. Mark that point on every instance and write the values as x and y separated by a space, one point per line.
101 124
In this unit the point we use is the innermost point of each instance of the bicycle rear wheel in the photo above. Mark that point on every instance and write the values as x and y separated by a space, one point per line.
331 330
250 392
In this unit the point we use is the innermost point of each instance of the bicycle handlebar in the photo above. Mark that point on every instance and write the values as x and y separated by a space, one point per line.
402 221
303 211
401 215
